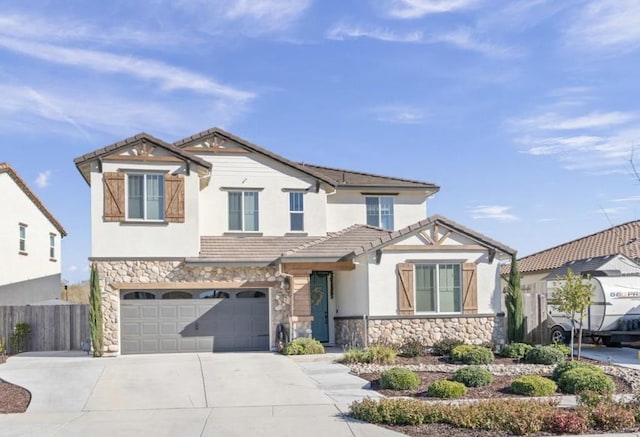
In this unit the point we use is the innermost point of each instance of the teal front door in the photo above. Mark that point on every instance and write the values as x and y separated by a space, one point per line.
320 306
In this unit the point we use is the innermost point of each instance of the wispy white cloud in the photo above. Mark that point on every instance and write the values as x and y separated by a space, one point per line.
342 31
555 121
72 268
272 14
398 114
627 199
494 212
42 181
611 211
410 9
609 26
169 77
463 38
547 220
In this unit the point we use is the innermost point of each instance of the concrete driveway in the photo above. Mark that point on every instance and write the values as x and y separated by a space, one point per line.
174 395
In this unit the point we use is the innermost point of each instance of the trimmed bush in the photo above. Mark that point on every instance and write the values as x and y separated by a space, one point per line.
567 422
473 376
516 350
570 365
373 355
445 346
544 355
303 346
612 417
533 385
566 350
592 399
412 347
470 354
447 389
459 352
577 380
399 378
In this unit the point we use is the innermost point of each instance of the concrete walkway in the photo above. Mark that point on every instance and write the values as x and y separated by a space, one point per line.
619 356
183 394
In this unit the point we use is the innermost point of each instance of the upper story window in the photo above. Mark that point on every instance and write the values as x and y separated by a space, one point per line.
22 247
380 212
145 196
243 211
52 246
438 288
296 210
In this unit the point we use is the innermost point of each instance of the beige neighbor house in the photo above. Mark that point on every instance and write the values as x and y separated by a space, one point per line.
30 244
212 243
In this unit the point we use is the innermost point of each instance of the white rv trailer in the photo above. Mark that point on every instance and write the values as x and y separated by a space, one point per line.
613 316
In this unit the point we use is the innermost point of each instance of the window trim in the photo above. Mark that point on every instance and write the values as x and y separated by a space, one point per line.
144 190
437 265
22 239
393 212
300 212
242 214
52 246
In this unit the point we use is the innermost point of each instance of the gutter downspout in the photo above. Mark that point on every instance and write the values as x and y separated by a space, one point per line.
365 339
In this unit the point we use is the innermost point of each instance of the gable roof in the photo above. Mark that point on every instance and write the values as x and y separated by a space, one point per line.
241 249
623 238
6 168
591 265
131 141
252 147
356 179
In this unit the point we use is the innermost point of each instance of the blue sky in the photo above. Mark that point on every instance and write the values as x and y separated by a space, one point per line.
524 112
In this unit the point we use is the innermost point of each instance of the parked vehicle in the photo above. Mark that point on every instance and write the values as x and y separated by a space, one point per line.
613 316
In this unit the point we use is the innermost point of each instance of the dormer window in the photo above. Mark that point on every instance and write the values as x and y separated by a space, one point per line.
145 196
380 212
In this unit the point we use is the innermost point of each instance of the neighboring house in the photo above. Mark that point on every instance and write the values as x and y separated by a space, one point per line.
608 265
213 243
30 244
598 251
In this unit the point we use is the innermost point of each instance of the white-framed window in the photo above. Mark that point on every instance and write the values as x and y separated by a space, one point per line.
52 246
243 211
380 211
22 238
296 210
145 196
438 288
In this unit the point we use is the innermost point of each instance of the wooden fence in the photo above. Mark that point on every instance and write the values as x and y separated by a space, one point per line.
53 327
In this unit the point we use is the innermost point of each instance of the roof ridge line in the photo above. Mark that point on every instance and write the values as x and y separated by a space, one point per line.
306 164
322 239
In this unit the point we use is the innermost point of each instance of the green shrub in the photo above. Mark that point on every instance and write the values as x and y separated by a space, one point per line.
473 376
570 365
612 417
393 411
516 350
399 378
412 347
445 346
459 352
564 422
20 337
381 355
577 380
592 399
533 385
303 346
544 355
373 355
566 350
447 389
479 355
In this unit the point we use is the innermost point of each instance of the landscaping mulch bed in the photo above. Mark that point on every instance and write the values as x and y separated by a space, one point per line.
13 399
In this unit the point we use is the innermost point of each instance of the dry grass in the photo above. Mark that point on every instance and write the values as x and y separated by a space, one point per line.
77 293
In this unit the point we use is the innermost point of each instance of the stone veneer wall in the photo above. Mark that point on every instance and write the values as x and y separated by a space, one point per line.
474 329
150 271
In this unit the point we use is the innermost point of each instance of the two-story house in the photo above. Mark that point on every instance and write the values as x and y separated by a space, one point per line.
30 244
212 243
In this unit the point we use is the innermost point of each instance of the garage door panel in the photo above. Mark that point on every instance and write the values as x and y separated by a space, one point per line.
194 325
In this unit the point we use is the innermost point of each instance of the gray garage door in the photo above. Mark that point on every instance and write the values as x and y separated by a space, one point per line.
239 321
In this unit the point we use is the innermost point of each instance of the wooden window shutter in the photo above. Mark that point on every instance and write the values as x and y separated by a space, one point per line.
470 288
174 198
405 288
113 197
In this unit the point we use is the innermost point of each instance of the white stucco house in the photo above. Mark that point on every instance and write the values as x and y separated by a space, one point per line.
212 243
30 244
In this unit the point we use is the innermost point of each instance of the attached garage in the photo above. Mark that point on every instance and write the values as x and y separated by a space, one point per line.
169 321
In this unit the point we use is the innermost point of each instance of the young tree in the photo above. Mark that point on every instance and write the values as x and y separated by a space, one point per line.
573 296
513 301
95 312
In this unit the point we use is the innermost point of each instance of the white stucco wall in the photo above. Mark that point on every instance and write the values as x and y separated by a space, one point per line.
18 208
253 171
351 290
144 239
347 207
